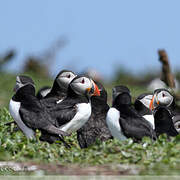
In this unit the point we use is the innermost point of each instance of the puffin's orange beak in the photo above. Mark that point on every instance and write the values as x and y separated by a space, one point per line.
96 90
151 105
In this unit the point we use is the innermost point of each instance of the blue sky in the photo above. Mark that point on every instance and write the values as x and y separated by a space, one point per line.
102 34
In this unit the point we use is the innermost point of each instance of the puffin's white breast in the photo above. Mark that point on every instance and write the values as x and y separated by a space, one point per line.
112 120
14 111
81 117
150 119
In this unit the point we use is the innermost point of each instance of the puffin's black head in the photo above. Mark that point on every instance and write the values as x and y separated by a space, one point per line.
64 78
161 97
22 81
121 95
84 86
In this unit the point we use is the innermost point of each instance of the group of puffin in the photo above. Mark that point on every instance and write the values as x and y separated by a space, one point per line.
77 103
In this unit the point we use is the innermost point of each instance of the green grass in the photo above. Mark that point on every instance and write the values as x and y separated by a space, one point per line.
161 157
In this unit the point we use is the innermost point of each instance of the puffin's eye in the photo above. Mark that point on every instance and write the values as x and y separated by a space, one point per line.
69 76
82 81
163 95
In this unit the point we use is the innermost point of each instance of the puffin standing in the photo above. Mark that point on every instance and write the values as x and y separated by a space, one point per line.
28 112
123 120
74 111
96 127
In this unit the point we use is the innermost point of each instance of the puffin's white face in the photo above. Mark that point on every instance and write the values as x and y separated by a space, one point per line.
163 98
65 78
147 100
22 81
85 86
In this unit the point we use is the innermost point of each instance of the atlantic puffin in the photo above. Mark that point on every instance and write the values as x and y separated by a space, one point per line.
145 104
162 97
163 120
141 104
28 112
59 89
123 120
74 111
96 127
60 85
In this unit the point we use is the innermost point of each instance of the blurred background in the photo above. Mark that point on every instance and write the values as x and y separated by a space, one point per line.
116 42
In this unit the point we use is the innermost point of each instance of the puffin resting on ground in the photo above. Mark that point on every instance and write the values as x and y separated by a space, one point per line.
28 112
124 121
74 111
95 128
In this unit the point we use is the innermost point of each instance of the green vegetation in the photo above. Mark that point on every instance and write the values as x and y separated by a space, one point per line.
153 158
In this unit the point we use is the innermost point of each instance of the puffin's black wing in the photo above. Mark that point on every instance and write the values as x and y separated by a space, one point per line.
38 118
136 128
163 122
62 113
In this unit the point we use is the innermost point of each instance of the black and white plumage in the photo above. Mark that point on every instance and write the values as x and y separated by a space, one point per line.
74 111
162 97
96 127
123 120
60 85
146 104
164 121
28 112
59 89
43 92
142 104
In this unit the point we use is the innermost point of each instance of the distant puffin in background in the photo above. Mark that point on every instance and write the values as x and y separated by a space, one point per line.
164 122
124 121
43 92
96 127
28 112
74 111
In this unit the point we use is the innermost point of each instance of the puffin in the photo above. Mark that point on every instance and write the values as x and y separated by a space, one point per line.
96 127
162 97
147 103
124 121
60 85
28 112
59 89
163 120
74 111
141 104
